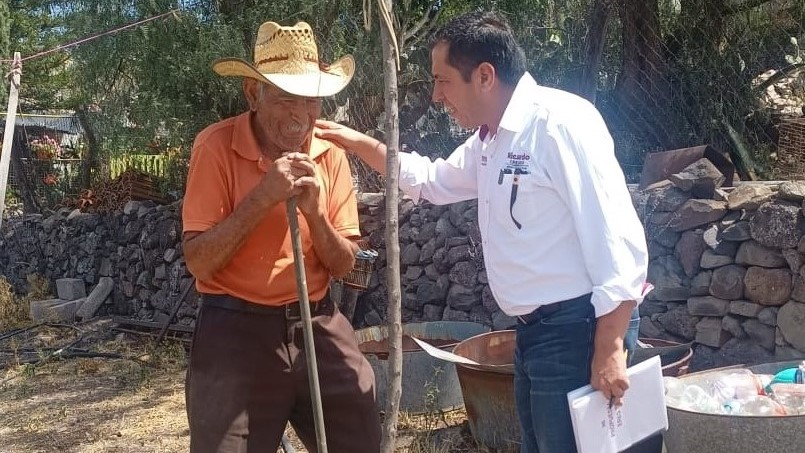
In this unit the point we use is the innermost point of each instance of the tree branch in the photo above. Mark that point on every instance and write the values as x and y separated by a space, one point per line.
727 10
409 33
428 28
777 76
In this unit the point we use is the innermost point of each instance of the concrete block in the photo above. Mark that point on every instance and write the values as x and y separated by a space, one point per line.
96 298
63 312
37 308
71 288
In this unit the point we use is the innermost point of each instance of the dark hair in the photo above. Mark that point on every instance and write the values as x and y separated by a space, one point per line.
479 37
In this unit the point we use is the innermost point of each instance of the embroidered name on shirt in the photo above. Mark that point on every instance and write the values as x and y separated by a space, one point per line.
513 156
518 160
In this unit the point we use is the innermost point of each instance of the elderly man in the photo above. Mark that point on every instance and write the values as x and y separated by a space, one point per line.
247 376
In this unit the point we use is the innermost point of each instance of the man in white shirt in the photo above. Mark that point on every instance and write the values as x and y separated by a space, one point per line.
564 250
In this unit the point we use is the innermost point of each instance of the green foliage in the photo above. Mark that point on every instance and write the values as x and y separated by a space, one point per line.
33 29
150 89
152 164
5 38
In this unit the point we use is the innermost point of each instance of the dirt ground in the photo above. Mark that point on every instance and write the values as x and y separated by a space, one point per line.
132 400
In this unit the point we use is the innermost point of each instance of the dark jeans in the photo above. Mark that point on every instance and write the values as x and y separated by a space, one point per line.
630 339
248 378
552 357
652 444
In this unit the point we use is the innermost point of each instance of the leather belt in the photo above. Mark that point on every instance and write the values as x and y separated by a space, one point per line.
290 311
546 310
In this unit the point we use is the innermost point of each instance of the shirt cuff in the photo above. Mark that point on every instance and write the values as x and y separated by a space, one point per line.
348 231
605 299
196 225
412 175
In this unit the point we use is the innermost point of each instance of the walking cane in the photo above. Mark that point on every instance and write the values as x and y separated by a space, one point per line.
307 324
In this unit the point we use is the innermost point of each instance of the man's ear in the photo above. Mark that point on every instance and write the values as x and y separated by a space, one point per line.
250 91
486 76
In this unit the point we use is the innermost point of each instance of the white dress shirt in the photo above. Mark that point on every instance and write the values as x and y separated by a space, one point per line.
578 233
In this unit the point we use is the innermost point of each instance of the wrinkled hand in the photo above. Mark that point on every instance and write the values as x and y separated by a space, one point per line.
342 135
306 183
277 184
609 374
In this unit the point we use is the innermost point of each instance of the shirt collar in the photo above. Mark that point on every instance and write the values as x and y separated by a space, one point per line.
515 116
244 141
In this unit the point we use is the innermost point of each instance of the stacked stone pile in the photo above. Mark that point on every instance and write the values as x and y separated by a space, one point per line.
727 266
441 265
138 248
727 263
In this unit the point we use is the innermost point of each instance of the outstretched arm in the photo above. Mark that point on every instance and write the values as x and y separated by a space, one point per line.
368 149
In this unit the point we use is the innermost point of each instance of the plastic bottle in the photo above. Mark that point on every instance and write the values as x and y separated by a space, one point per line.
696 399
790 375
674 388
732 407
762 406
738 385
790 396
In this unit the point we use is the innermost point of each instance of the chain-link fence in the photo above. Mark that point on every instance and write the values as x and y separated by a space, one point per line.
665 74
45 161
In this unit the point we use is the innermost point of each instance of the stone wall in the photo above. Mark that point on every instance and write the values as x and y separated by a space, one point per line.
138 247
441 265
727 264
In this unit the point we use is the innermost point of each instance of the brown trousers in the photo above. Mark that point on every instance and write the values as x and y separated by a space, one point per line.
248 378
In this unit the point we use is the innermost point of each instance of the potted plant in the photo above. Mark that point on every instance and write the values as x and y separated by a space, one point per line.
45 148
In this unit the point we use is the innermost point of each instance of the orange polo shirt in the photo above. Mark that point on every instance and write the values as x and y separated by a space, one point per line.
225 165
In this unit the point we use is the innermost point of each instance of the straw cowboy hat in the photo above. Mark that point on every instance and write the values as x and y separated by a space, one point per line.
288 58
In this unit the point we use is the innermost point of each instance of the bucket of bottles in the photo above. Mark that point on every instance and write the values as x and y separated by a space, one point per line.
736 409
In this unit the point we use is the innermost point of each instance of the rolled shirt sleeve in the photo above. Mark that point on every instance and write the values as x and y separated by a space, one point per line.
590 181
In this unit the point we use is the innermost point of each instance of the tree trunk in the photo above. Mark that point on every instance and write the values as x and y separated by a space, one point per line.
393 312
598 20
643 91
88 160
703 21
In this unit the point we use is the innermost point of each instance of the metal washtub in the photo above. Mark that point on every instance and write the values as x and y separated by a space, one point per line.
696 432
428 384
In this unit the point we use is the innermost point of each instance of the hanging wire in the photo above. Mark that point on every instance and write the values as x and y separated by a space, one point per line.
90 38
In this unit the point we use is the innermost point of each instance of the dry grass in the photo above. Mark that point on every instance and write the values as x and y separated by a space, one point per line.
136 404
13 312
436 432
14 309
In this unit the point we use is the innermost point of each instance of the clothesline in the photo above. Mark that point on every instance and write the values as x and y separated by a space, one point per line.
90 38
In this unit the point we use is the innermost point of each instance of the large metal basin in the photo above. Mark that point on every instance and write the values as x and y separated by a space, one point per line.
695 432
675 357
428 384
488 389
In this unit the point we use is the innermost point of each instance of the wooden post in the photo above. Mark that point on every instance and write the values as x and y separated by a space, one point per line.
393 312
8 134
